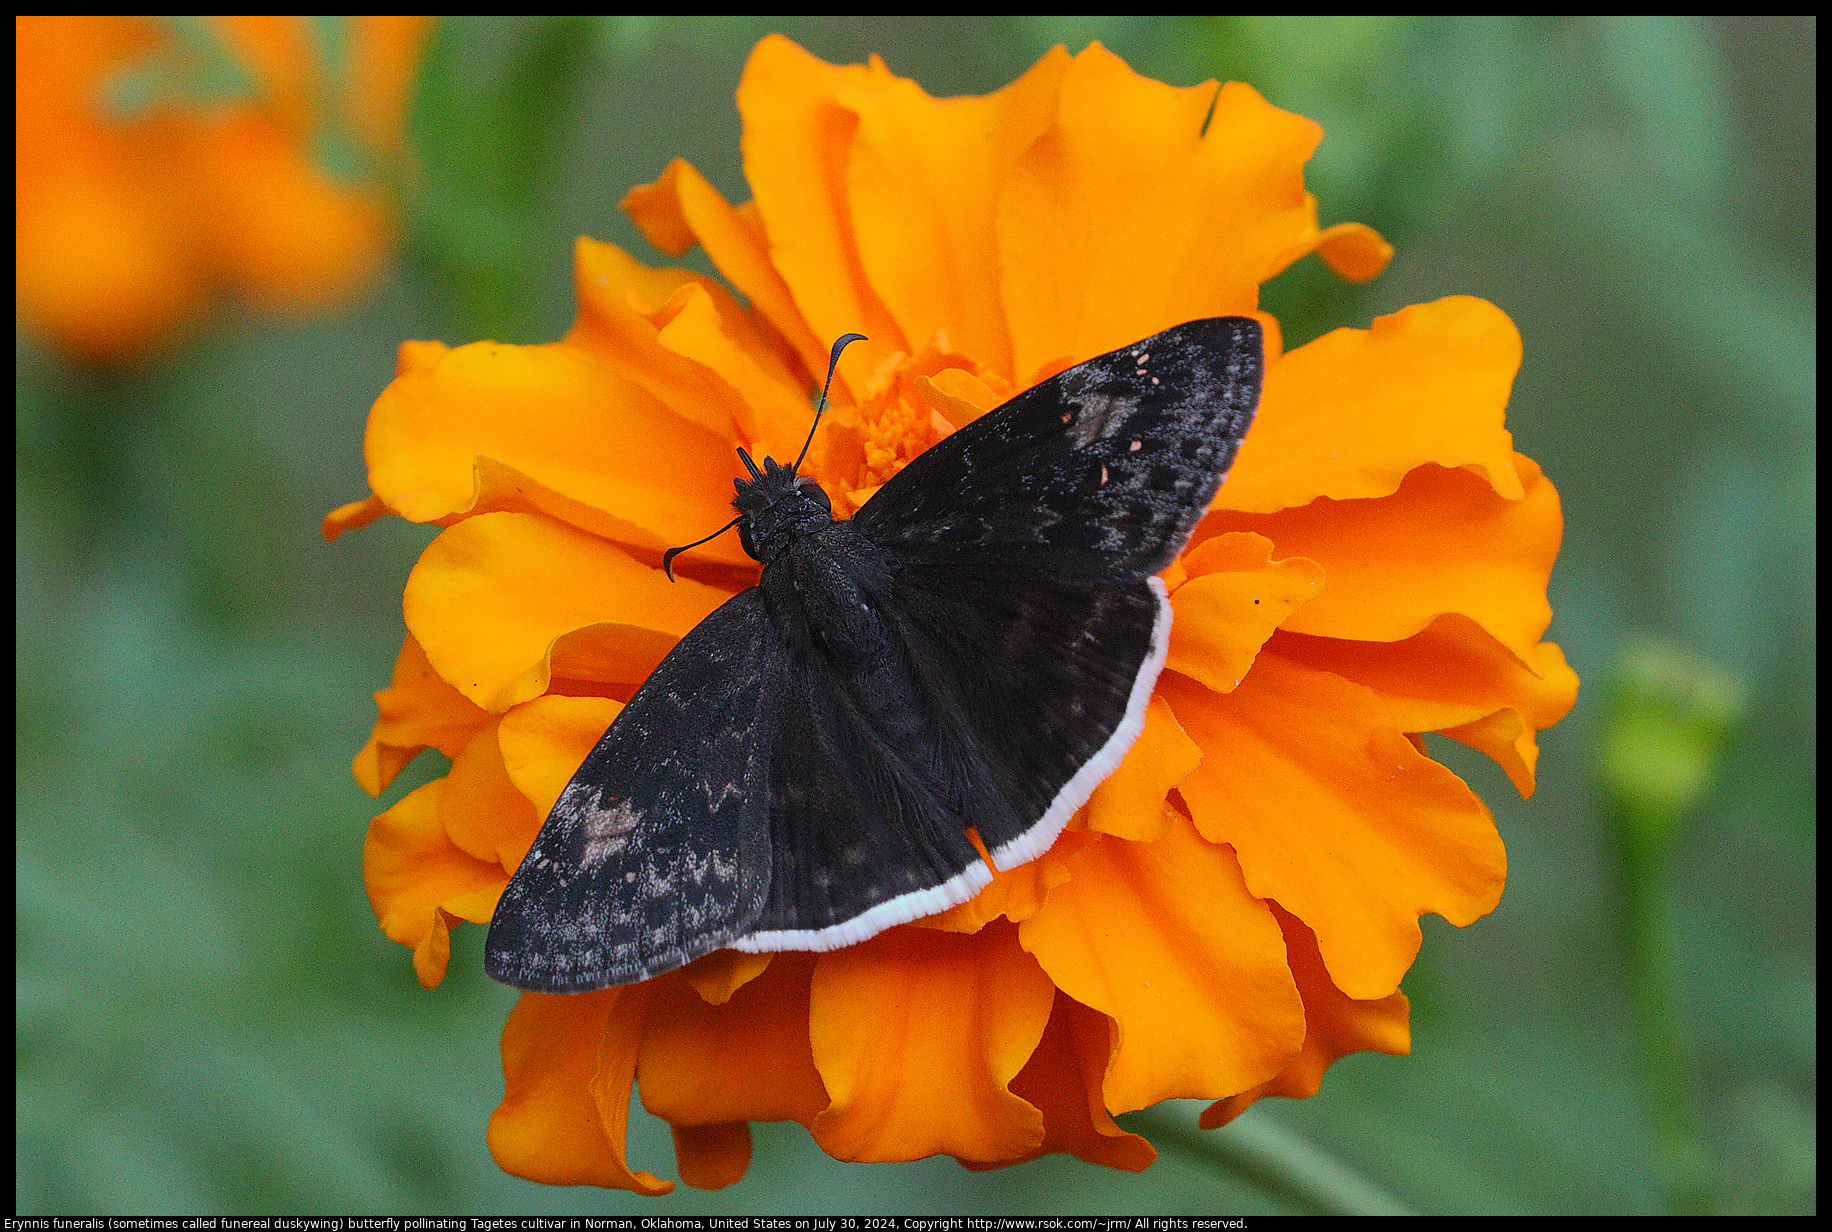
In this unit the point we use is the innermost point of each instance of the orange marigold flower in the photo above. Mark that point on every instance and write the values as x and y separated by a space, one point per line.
1235 907
157 161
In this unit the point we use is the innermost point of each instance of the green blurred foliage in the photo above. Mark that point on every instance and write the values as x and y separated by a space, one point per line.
208 1020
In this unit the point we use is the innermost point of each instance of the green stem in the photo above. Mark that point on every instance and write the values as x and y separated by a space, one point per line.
1665 1056
1277 1159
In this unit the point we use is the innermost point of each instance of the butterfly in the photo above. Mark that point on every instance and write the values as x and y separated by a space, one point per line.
975 648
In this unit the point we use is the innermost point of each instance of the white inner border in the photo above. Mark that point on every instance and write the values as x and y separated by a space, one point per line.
1021 850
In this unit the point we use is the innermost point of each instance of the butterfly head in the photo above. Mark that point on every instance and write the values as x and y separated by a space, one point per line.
776 506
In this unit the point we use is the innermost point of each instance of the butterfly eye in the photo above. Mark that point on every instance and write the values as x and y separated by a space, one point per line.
815 493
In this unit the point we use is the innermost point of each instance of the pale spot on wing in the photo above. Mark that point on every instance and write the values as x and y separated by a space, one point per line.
604 827
1100 416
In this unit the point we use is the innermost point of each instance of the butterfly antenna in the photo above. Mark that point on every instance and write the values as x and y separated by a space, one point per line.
833 361
671 553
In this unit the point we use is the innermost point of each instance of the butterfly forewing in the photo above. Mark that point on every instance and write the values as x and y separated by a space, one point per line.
658 850
1101 471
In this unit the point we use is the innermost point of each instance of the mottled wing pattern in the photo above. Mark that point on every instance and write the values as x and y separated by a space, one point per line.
658 850
1101 471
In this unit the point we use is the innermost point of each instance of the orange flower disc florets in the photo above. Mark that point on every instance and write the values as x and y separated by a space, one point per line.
1236 905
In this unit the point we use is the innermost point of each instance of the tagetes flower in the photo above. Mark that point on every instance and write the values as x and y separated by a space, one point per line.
159 162
1235 907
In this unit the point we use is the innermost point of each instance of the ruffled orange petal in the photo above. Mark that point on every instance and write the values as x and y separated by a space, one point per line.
568 1062
797 142
774 413
712 1156
1235 596
419 881
923 183
1336 816
1335 1026
1018 893
682 208
747 1059
917 1036
559 417
1454 678
1355 251
1443 543
1108 224
482 810
489 596
1130 803
1063 1079
624 309
543 742
417 710
1350 415
353 516
719 975
1165 939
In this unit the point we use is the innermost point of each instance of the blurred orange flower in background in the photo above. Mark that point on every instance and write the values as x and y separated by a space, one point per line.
160 161
1235 907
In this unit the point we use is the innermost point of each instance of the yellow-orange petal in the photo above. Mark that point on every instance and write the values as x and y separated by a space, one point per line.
1108 224
719 975
1235 597
1443 543
1018 893
1335 1025
797 145
568 1062
419 355
1063 1079
418 880
958 396
1130 803
917 1036
923 181
712 1156
1456 679
483 811
489 596
1336 816
1165 939
747 1059
620 301
1351 414
558 416
773 413
681 208
1354 250
353 516
543 742
417 710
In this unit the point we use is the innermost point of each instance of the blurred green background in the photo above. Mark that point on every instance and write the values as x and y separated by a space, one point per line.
209 1021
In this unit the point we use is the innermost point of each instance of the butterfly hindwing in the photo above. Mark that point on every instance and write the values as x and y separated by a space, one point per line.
1043 679
868 823
658 850
1101 471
